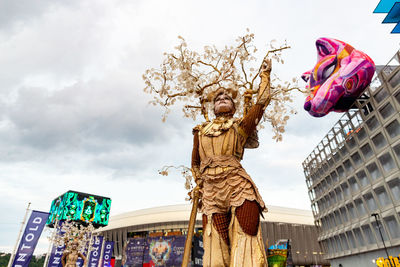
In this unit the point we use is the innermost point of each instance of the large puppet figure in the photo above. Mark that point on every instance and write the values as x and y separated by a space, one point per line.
231 203
223 82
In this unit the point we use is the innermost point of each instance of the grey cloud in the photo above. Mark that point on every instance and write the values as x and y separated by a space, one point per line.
22 11
96 116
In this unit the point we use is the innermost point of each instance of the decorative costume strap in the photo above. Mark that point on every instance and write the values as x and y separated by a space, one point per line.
220 161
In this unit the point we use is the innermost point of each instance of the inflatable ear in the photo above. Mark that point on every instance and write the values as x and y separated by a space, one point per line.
340 76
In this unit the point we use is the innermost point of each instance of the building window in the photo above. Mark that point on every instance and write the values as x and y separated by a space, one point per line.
351 210
395 80
333 245
343 151
369 199
396 150
356 159
392 226
351 142
343 240
397 97
337 218
345 189
379 141
372 123
334 177
386 111
331 162
339 193
361 134
353 184
345 218
340 171
362 178
393 129
360 207
348 166
359 237
338 244
381 95
351 239
383 231
332 219
374 171
369 236
394 186
382 196
387 162
367 151
332 196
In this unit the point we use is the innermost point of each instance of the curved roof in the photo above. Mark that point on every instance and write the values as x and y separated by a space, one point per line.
174 213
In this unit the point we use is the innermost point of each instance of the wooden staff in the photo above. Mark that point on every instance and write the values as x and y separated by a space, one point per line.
192 222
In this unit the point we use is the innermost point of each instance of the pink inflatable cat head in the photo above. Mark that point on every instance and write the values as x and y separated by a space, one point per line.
340 76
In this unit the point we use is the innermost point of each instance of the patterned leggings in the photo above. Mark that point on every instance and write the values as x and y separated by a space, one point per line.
248 215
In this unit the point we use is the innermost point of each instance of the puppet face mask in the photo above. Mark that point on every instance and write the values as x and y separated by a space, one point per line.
338 79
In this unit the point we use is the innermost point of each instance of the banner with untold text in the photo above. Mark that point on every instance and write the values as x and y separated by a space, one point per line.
94 258
107 254
28 242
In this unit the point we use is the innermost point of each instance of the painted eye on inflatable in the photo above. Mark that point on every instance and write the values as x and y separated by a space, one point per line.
340 76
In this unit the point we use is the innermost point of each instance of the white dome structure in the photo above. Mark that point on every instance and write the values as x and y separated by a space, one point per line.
278 223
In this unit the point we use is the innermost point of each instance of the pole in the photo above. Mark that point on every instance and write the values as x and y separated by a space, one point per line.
85 263
192 221
46 260
102 252
383 241
19 236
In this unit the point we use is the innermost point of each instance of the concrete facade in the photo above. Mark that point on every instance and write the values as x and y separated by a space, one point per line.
354 172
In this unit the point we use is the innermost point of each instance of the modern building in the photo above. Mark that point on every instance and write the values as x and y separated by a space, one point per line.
353 177
279 223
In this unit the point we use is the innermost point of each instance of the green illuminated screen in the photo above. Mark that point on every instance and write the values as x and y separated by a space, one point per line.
80 207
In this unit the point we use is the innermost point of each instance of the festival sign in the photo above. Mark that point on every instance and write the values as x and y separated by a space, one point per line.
108 249
135 252
95 251
28 242
164 251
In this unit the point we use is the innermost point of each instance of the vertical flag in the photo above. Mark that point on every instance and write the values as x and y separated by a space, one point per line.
108 249
28 242
57 251
55 256
94 257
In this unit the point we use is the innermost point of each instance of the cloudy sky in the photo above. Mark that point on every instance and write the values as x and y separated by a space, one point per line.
73 115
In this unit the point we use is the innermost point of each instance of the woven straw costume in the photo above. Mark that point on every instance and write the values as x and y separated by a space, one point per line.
231 203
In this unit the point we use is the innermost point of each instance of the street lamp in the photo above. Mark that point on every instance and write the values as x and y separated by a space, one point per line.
376 215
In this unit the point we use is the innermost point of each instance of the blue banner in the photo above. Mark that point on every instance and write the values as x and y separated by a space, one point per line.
197 251
28 242
108 250
55 256
164 251
95 252
135 252
56 251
